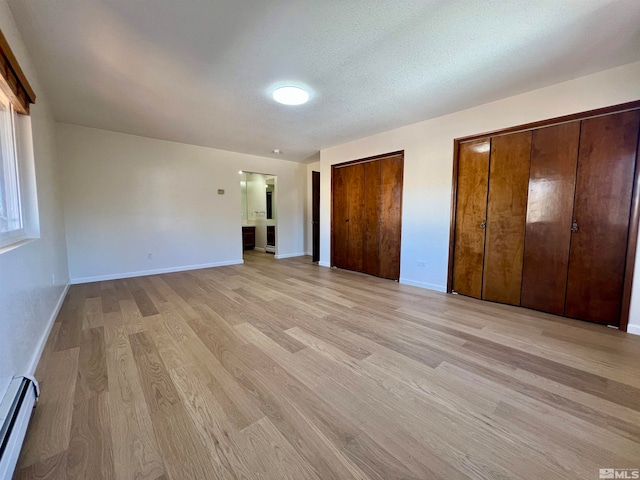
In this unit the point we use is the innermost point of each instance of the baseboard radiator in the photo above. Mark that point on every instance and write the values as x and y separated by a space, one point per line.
15 412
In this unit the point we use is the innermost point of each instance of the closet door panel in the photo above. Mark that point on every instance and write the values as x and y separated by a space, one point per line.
471 213
506 211
339 224
371 243
604 186
355 198
554 155
390 216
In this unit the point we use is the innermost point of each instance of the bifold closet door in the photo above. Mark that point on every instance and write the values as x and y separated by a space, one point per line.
604 187
354 177
391 175
471 215
340 214
506 216
554 156
367 216
371 218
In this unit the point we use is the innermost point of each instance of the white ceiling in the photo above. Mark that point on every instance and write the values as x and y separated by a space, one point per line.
202 71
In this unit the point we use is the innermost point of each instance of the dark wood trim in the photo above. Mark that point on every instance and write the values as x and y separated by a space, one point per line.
401 211
15 82
632 241
454 206
368 159
632 246
554 121
333 201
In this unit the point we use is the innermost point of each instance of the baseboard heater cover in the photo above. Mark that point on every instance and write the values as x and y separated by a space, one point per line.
15 412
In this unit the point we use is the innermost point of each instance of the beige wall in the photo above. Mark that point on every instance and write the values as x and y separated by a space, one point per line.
428 150
126 197
33 276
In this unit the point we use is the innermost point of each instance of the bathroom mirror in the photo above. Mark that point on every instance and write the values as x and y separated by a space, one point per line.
258 208
271 203
244 211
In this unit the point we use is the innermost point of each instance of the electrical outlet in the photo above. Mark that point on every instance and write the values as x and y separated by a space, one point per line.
149 256
422 263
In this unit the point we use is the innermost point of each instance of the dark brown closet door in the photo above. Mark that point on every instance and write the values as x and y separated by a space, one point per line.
371 221
554 155
506 211
354 179
339 223
390 216
471 215
604 185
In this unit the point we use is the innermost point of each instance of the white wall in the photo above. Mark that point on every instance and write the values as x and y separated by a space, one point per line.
308 226
428 148
126 196
29 295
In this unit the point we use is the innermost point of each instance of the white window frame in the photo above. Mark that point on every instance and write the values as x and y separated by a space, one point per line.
12 180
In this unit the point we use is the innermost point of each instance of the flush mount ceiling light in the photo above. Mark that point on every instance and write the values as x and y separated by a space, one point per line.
290 95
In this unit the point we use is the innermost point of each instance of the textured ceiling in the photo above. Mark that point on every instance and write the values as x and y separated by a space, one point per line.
202 71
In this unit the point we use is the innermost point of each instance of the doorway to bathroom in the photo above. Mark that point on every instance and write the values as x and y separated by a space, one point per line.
259 213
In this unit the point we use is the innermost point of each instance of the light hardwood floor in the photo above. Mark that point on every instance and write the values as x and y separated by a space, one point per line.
286 370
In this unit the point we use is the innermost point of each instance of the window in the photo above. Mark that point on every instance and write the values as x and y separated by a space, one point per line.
17 177
11 224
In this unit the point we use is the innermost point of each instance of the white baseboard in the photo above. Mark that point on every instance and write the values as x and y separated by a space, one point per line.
633 329
324 264
43 340
142 273
289 255
259 249
428 286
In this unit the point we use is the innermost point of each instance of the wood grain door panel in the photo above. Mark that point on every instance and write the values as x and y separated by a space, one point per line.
506 217
339 224
354 178
391 175
554 156
367 216
604 185
471 213
371 220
